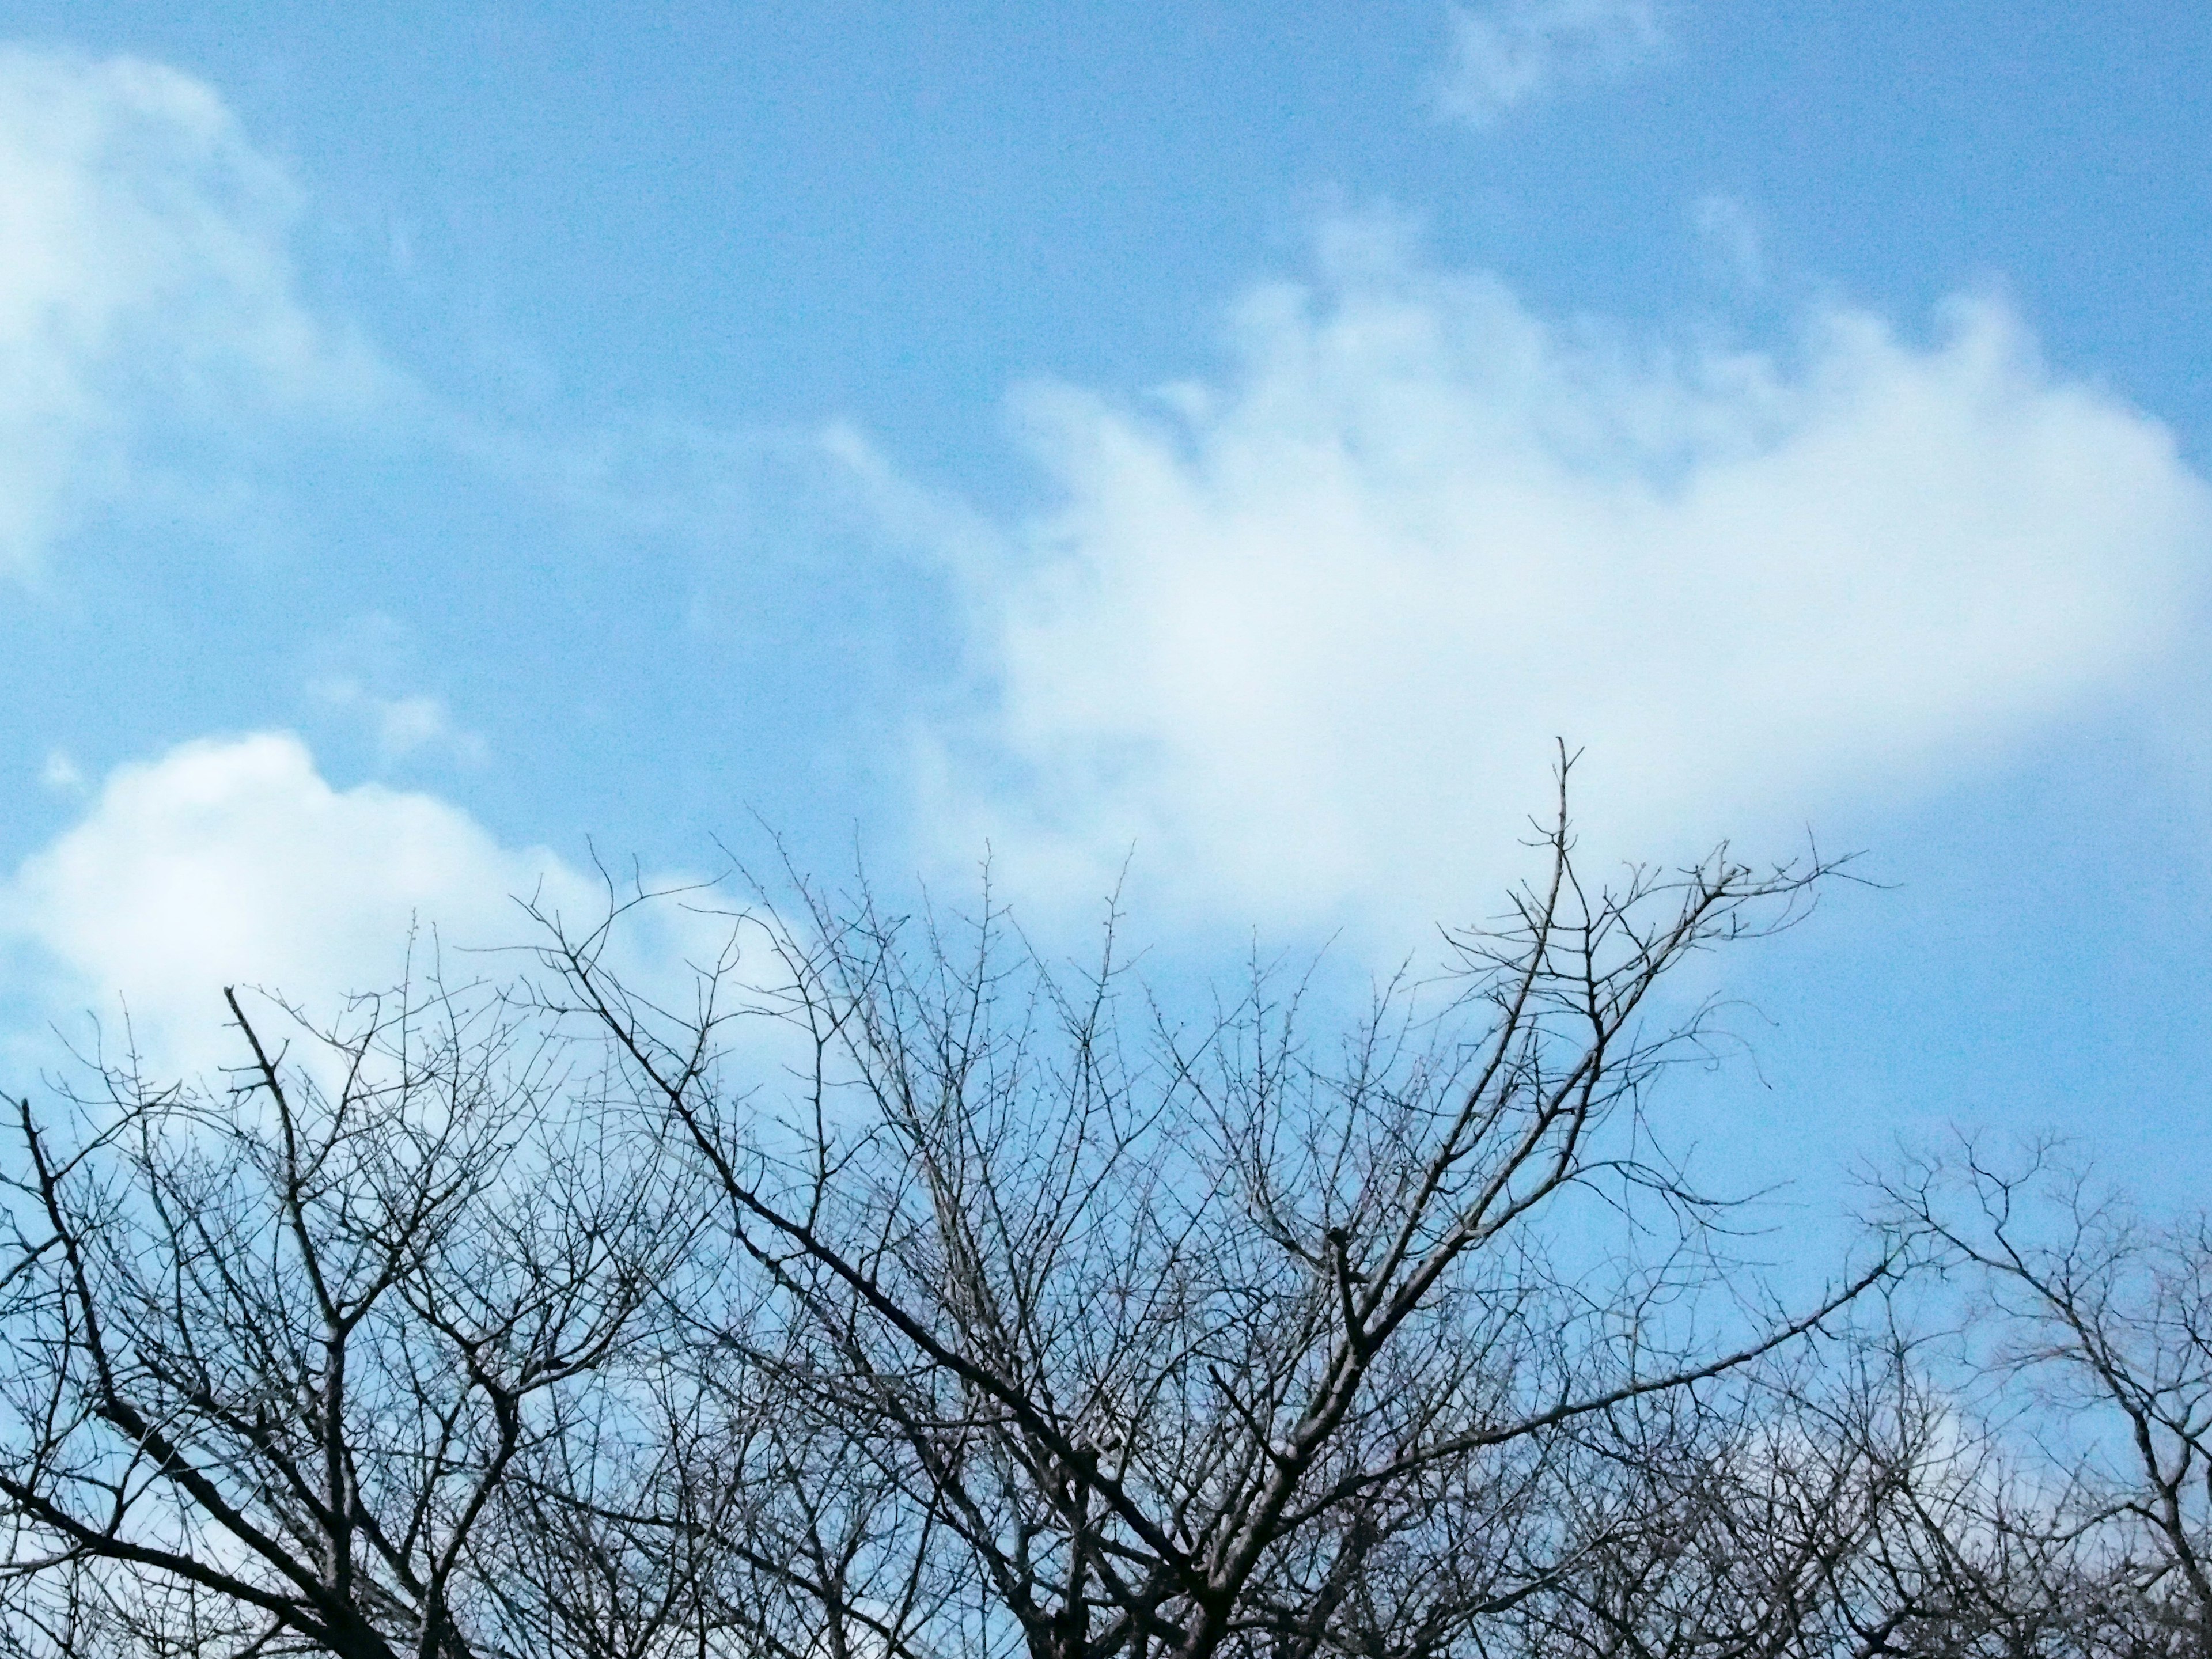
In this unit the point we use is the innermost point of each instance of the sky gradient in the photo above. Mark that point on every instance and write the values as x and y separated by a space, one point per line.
439 444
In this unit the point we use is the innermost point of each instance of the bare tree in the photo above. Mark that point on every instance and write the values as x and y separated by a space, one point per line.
279 1359
2094 1329
1842 1503
899 1294
1164 1339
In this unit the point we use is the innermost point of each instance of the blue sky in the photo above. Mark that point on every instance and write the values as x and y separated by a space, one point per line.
436 441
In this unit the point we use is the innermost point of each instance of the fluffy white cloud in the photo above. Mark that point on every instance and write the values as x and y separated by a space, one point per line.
1302 636
232 860
1505 54
144 269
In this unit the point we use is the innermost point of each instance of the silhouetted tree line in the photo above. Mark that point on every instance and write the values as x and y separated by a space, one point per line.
891 1292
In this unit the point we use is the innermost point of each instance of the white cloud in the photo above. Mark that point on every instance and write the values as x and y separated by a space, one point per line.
1302 635
232 860
144 268
1510 53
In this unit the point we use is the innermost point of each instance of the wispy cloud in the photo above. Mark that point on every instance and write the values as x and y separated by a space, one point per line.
60 773
144 271
401 726
1510 53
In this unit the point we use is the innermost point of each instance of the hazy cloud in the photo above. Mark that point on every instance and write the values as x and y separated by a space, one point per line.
1507 54
1732 241
60 773
401 726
